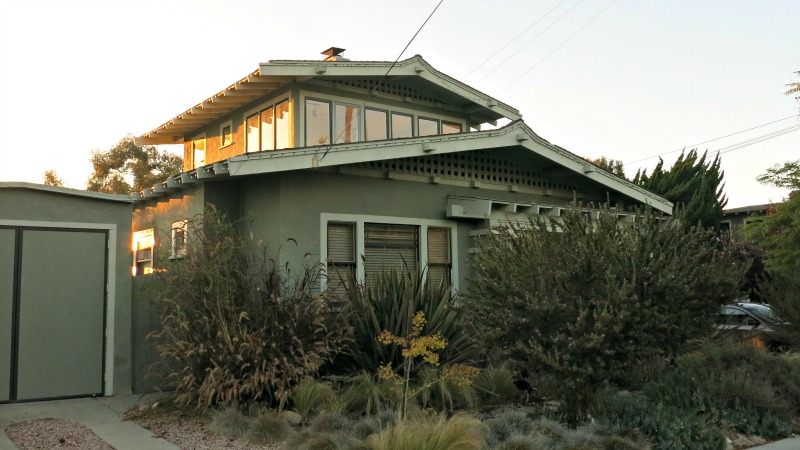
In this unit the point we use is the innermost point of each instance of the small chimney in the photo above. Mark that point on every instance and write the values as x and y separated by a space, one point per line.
334 54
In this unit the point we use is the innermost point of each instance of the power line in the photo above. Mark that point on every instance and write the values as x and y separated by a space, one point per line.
710 140
559 46
376 86
515 38
758 140
530 41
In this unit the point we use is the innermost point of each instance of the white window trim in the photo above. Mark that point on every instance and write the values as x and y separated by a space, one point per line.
182 225
272 103
360 220
221 136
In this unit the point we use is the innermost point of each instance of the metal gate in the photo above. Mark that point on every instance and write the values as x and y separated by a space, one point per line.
52 312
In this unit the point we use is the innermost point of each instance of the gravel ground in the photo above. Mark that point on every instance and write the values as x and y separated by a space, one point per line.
54 433
187 430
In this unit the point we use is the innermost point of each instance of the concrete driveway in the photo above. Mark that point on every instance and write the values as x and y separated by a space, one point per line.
103 415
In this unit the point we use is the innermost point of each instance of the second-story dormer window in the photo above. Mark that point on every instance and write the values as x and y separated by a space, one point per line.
268 128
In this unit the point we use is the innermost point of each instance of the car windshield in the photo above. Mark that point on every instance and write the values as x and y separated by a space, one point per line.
762 312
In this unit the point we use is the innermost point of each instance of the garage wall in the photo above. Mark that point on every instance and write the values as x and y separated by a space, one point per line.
36 206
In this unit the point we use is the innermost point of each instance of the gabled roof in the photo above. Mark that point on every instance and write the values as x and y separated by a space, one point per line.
274 75
515 137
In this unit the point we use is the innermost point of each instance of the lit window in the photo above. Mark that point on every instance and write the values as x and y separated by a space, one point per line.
376 125
268 129
282 137
401 126
179 235
347 121
252 134
199 152
143 252
450 128
427 127
318 122
226 136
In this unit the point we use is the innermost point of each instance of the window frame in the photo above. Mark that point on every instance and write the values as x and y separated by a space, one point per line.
360 119
179 227
391 124
330 104
199 137
387 123
431 119
257 111
361 220
138 237
222 142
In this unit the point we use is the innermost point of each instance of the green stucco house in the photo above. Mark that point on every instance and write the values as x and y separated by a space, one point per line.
365 164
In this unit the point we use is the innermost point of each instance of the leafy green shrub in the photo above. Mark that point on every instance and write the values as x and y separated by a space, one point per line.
669 427
310 395
235 326
496 385
267 428
583 299
435 433
387 302
229 422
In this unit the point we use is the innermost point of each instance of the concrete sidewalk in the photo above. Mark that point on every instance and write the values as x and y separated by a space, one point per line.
792 443
103 415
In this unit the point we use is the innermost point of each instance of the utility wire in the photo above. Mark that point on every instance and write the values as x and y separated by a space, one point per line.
559 46
532 39
710 140
758 140
372 90
515 38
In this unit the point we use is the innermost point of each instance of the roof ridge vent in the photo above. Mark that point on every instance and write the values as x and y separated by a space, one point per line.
334 54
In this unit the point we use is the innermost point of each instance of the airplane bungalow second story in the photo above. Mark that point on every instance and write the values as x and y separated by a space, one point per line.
294 104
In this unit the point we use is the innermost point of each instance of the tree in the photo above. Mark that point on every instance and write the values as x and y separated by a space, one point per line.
612 166
785 176
583 300
794 88
692 185
145 166
51 178
779 231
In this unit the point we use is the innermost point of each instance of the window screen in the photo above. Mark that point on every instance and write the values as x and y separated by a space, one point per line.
439 256
341 265
389 247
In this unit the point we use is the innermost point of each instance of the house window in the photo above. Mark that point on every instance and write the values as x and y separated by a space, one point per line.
143 252
450 128
427 127
226 136
389 247
347 123
199 152
401 126
341 263
179 235
439 256
318 122
282 128
268 129
377 125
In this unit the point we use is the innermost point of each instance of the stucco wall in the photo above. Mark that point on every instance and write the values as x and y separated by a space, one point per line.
30 207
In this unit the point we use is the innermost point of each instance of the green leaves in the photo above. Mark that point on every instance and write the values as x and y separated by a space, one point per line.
127 168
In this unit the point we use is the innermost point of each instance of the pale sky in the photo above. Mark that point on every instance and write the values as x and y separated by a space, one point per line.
642 78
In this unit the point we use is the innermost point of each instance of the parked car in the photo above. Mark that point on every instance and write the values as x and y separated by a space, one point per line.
756 320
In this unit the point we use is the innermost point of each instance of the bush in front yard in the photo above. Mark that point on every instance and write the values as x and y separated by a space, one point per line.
236 326
582 300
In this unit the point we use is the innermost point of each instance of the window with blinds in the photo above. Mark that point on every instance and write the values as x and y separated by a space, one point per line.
439 262
388 247
341 264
